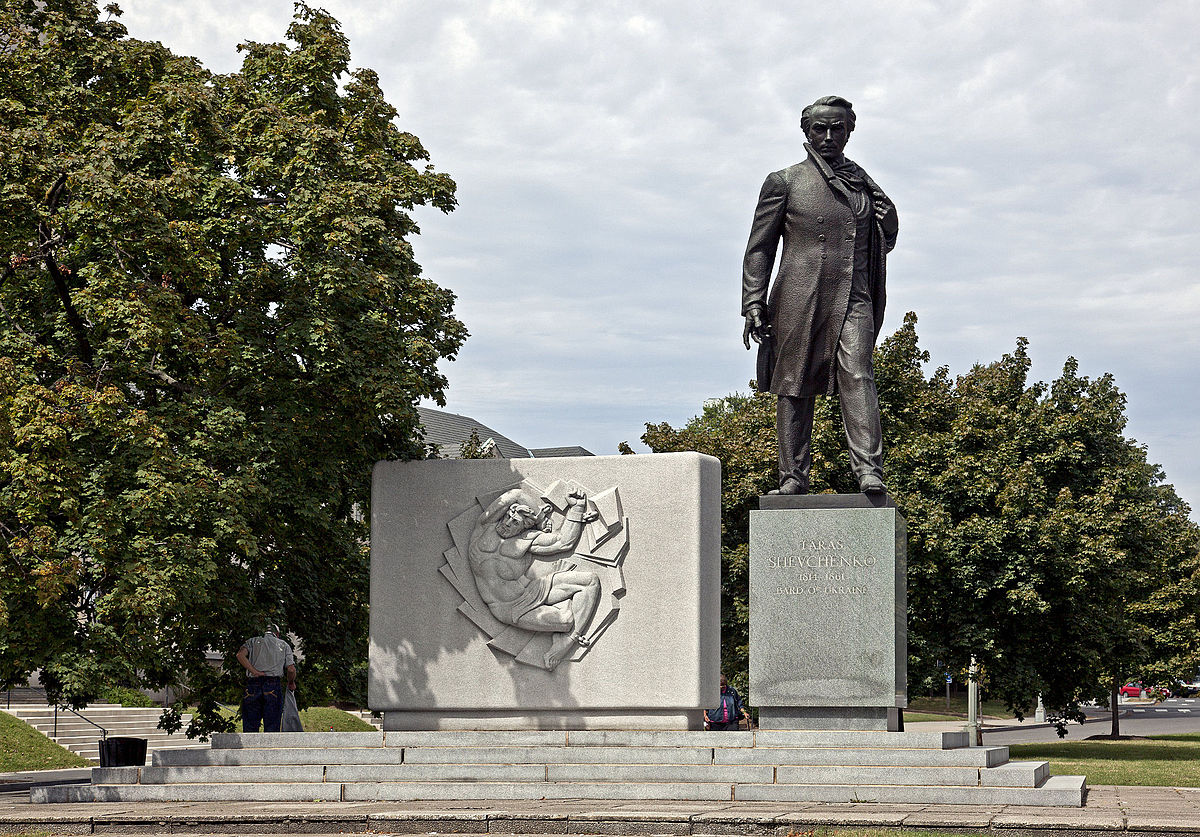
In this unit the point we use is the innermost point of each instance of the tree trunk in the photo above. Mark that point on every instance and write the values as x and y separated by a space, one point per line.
1116 715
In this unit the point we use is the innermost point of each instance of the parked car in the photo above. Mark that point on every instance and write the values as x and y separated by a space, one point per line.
1186 690
1139 690
1135 689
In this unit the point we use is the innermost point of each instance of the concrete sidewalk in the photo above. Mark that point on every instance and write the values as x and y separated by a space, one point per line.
1134 810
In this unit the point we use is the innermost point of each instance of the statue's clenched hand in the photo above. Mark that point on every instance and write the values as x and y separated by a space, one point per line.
756 329
881 203
579 498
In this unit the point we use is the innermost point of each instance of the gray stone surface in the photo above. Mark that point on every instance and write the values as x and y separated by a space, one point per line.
1132 810
681 773
561 755
277 755
221 792
1017 774
115 775
566 790
686 766
656 665
1047 795
828 611
664 738
645 718
237 740
246 773
965 757
917 739
444 772
877 775
476 738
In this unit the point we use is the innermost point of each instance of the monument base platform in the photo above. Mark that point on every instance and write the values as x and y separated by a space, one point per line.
763 765
643 719
883 718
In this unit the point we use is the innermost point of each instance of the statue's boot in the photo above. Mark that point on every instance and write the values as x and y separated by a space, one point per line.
791 485
871 484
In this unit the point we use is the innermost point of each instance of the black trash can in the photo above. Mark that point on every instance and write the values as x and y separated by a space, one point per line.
119 751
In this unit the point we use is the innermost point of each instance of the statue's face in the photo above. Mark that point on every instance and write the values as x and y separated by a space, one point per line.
828 131
516 520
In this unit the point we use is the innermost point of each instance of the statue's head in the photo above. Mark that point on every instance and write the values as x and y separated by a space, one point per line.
827 124
519 518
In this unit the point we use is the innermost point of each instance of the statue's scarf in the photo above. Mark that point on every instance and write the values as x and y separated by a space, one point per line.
847 178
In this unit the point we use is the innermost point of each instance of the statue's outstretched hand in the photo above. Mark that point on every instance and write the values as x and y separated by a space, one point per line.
755 329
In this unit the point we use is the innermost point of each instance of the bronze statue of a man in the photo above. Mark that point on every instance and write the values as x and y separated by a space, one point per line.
817 326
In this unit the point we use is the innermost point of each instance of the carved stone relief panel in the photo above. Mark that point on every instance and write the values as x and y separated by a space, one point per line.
539 569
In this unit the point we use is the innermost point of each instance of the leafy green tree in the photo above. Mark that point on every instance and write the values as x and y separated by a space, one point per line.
1040 539
473 448
211 326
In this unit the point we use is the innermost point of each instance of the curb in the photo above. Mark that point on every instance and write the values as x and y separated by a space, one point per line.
591 817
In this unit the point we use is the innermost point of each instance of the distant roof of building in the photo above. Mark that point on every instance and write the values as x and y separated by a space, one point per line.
449 430
568 450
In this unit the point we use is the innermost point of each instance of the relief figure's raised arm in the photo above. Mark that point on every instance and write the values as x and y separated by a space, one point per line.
566 537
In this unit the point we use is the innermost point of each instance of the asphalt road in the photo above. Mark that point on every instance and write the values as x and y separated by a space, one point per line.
1174 715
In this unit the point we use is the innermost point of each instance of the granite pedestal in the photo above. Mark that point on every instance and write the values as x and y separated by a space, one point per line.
828 613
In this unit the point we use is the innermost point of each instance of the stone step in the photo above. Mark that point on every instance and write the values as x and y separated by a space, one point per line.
322 740
1066 791
96 709
303 792
966 757
99 717
118 728
1056 791
766 766
202 756
90 738
823 739
1021 774
1017 774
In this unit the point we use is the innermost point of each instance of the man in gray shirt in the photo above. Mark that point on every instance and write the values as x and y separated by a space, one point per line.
267 659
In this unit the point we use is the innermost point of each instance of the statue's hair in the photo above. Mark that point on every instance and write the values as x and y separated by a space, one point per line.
827 101
522 509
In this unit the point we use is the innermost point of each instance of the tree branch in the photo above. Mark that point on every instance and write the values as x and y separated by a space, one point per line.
64 296
55 191
161 375
60 282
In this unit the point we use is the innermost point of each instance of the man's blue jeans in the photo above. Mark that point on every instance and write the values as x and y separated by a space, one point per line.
263 704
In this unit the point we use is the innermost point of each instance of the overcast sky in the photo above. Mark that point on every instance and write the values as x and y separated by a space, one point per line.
1042 156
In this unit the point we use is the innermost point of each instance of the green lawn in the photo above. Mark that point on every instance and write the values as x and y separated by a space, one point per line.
24 748
1163 760
914 717
326 718
936 708
314 719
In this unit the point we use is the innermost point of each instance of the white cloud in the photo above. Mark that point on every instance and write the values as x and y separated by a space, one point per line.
609 155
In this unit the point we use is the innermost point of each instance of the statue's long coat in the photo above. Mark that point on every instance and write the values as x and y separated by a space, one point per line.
807 302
